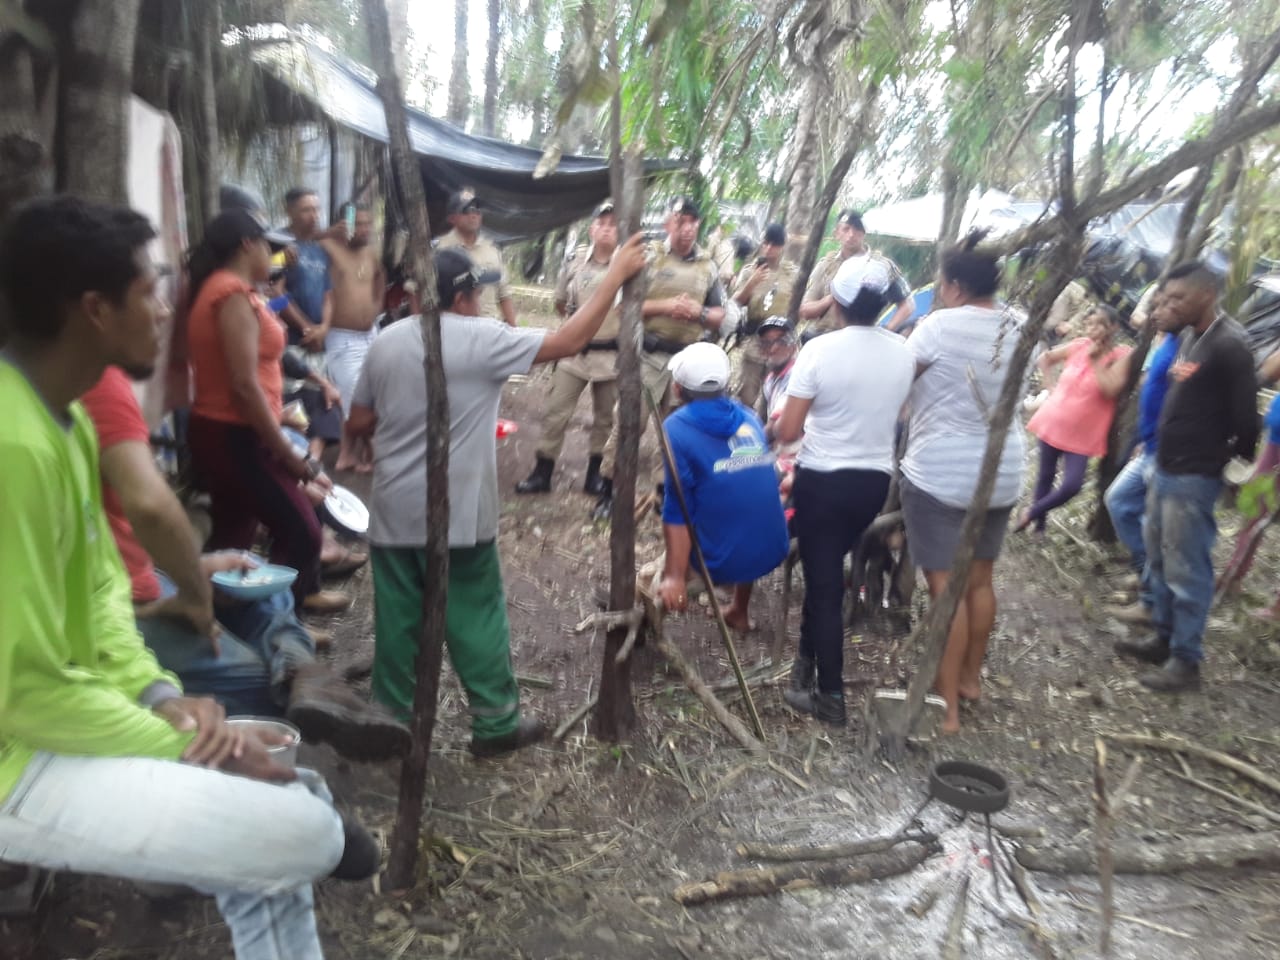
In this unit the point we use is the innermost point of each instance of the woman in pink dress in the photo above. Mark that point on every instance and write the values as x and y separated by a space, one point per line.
1074 422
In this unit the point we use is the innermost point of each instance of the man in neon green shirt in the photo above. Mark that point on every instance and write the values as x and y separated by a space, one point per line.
105 767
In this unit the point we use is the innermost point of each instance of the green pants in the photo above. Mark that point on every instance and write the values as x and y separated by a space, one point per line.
476 632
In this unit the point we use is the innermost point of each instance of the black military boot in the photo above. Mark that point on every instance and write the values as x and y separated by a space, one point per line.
827 707
603 510
594 483
1150 651
804 671
539 481
1176 676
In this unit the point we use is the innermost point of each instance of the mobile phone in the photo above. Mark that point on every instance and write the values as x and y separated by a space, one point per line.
349 214
761 261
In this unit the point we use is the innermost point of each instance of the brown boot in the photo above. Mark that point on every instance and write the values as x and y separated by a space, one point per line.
328 711
326 601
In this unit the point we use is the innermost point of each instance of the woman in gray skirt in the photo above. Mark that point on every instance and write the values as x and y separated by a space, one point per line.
962 354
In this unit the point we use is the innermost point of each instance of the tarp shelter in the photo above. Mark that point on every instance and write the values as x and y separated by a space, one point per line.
305 83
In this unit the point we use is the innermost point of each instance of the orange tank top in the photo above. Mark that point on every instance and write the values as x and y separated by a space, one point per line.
213 396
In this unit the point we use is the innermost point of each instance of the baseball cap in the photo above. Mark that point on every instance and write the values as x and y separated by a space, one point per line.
463 200
603 207
225 231
852 218
684 206
775 322
775 235
456 273
700 366
857 274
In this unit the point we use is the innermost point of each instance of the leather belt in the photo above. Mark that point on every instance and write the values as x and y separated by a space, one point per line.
601 345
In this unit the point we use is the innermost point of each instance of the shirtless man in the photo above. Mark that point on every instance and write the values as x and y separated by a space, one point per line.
358 284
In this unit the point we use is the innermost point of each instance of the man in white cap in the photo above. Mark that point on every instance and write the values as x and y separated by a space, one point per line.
729 485
845 395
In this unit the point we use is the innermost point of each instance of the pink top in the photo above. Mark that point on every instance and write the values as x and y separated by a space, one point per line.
1077 415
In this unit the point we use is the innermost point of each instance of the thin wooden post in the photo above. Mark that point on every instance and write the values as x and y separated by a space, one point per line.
615 712
406 179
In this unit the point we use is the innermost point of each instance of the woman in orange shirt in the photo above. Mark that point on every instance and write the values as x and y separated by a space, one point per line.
240 456
1074 422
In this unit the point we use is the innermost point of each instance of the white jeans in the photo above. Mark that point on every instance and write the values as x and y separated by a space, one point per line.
345 351
255 846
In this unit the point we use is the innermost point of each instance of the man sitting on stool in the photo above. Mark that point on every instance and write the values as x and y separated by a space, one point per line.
727 477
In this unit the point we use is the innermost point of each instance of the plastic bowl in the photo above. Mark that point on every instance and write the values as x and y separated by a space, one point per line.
285 754
256 584
345 512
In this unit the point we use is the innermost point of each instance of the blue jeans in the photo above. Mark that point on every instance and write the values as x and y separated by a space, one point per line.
261 644
1126 501
257 847
1180 531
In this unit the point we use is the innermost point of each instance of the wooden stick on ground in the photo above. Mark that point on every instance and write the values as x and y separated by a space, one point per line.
1179 745
1257 808
829 851
799 876
953 941
1213 852
575 717
712 702
1102 825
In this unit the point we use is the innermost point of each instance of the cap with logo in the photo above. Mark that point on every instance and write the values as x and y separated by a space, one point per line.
776 322
463 201
857 274
700 366
603 207
851 218
456 273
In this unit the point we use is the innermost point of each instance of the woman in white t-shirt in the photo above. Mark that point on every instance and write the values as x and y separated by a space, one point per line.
962 355
845 395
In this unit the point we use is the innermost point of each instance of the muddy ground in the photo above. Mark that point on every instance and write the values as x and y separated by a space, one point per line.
573 849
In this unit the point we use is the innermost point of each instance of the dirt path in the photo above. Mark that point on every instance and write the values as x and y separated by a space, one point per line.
572 850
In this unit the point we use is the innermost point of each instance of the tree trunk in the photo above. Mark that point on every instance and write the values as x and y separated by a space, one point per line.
93 120
490 121
615 713
955 195
459 83
537 15
207 39
406 178
804 171
398 21
27 113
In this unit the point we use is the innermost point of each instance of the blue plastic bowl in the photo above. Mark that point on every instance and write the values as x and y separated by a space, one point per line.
255 584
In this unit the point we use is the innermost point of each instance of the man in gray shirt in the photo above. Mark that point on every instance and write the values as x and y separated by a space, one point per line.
390 406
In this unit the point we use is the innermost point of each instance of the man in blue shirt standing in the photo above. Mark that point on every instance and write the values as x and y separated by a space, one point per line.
727 476
307 283
1126 498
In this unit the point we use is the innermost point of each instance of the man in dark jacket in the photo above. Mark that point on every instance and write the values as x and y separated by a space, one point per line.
1210 415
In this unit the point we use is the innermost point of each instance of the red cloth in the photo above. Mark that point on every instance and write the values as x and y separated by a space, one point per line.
113 408
1077 415
213 399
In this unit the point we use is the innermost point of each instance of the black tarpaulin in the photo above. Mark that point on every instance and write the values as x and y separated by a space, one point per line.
516 205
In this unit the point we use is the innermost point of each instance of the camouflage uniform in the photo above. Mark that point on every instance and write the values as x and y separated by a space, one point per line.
771 297
484 253
664 335
597 365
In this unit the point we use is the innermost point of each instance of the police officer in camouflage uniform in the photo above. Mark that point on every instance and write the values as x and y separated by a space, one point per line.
819 306
463 210
596 365
764 288
684 303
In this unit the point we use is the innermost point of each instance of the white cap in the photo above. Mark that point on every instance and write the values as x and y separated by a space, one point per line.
700 366
856 273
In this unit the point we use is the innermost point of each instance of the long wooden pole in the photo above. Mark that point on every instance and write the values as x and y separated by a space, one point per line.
406 177
615 711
